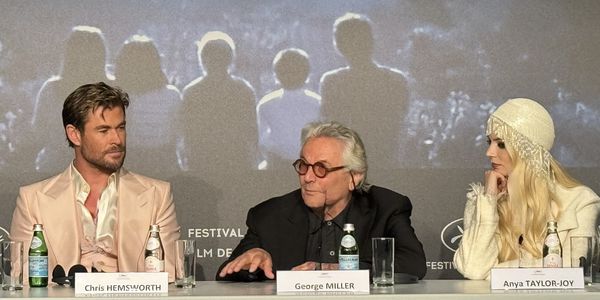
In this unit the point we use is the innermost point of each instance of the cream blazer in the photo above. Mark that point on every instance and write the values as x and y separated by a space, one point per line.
142 201
478 250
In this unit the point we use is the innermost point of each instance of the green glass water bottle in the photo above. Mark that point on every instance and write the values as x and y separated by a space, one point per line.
38 258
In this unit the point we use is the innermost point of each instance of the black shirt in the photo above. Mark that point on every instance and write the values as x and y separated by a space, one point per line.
324 237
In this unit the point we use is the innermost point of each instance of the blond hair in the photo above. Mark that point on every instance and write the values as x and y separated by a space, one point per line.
528 207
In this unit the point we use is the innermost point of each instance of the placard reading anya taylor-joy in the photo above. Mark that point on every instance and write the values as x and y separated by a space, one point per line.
351 281
148 284
536 278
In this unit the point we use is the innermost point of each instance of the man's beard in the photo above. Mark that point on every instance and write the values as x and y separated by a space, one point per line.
103 164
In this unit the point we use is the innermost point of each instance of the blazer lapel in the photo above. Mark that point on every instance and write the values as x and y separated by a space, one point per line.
57 207
361 215
295 235
135 214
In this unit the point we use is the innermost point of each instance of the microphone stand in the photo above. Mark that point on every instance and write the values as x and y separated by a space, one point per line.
520 250
320 262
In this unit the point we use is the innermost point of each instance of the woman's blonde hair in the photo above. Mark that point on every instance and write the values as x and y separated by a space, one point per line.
530 202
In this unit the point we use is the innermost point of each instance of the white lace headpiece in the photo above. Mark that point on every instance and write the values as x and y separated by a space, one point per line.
528 128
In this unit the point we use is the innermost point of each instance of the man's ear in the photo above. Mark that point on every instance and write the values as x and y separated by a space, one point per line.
73 134
356 178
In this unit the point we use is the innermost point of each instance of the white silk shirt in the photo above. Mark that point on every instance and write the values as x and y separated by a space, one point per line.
97 243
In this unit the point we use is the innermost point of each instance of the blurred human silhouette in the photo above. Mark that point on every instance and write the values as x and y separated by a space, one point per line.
449 110
435 64
284 112
7 114
219 113
152 129
84 61
366 96
581 121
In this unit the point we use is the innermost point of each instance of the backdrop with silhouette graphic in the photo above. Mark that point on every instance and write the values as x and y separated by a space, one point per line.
220 90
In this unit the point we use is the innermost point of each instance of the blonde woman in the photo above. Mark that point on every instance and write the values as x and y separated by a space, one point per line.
505 218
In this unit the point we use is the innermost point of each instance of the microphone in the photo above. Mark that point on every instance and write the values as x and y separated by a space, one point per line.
318 267
405 278
317 189
520 250
583 264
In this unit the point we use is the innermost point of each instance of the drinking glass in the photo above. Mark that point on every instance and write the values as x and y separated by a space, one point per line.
582 249
12 265
383 261
185 263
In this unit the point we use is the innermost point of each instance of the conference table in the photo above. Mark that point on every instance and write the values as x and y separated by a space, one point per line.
425 289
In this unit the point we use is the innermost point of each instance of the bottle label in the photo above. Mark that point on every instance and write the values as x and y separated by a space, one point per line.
348 262
153 243
153 264
36 242
552 260
38 266
348 241
552 240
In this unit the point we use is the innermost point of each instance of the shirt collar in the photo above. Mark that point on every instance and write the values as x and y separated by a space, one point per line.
315 221
82 188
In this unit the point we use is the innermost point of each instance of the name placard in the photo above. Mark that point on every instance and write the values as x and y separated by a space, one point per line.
147 284
536 278
311 282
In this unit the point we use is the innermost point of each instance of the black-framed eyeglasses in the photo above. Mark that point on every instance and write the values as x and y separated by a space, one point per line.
318 168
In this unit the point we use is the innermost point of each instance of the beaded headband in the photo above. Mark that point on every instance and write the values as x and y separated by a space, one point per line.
528 128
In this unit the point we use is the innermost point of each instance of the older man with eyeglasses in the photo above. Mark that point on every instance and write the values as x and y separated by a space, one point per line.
302 230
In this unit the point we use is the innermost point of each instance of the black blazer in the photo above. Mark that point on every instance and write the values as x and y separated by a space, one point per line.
280 226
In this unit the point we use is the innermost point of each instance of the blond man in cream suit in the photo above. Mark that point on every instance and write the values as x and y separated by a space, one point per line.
96 213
